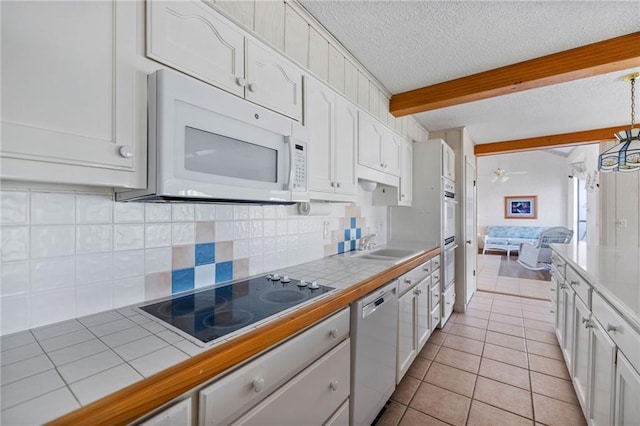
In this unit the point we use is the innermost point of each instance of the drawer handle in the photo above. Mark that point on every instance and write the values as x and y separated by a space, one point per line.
241 81
612 328
333 385
257 384
574 282
334 333
407 281
425 269
584 320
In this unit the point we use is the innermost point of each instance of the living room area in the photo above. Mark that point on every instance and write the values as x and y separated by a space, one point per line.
522 197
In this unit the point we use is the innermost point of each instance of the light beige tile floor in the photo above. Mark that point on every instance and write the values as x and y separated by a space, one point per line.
489 366
489 280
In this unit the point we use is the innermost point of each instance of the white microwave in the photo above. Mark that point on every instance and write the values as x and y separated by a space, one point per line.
206 145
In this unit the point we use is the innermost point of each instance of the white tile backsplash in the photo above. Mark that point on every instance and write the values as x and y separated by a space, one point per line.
14 207
67 253
51 241
51 273
50 208
94 208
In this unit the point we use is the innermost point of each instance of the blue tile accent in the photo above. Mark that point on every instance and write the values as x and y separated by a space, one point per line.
353 222
340 248
347 234
353 245
205 253
224 271
358 233
182 280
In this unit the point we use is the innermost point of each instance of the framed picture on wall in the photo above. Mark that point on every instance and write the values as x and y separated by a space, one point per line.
521 207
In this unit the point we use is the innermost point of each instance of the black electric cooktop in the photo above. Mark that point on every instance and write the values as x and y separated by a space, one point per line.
210 314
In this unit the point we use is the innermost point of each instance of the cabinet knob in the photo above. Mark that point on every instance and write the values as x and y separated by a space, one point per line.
407 281
252 87
584 320
333 184
339 185
575 282
240 81
257 384
612 328
334 333
468 241
125 151
402 195
333 385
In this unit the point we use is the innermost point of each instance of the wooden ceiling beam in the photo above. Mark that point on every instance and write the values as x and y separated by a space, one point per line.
603 57
550 141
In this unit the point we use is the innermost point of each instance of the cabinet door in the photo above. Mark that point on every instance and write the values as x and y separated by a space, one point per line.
319 119
406 174
407 351
370 135
191 37
273 82
567 343
448 162
627 409
391 153
560 314
345 147
581 335
424 311
69 93
602 371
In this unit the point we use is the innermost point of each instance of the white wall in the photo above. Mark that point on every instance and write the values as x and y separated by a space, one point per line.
546 177
72 252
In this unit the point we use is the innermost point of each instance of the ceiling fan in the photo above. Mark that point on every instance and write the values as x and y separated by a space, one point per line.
502 175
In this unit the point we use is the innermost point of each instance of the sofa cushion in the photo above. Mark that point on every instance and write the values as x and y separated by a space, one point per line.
522 232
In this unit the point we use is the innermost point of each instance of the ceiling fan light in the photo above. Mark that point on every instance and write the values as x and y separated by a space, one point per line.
504 179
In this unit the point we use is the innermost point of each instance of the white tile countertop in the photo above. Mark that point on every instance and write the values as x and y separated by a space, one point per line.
614 273
50 371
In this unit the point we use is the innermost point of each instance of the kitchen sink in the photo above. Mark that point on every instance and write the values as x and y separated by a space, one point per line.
387 254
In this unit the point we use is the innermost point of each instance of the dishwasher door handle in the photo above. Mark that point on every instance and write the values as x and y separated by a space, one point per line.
373 306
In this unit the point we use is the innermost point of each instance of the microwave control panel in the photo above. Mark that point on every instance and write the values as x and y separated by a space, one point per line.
299 166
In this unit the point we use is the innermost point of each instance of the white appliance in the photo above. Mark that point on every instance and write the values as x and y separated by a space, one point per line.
432 215
208 145
374 329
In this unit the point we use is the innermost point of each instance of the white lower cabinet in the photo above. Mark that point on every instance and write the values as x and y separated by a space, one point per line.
424 312
407 333
567 308
627 408
309 398
340 417
245 391
581 352
177 414
602 370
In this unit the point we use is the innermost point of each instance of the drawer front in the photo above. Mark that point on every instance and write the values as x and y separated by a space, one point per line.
414 276
449 300
435 317
234 394
435 262
435 295
559 264
581 287
340 417
177 414
435 276
311 397
625 337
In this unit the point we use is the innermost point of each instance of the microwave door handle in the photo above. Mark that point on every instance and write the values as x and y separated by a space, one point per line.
288 141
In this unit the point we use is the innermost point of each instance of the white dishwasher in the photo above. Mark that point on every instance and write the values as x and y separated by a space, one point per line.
374 341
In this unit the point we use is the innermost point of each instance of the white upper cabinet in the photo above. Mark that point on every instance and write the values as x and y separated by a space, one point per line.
391 152
448 162
196 39
405 193
193 38
69 93
370 139
332 124
273 82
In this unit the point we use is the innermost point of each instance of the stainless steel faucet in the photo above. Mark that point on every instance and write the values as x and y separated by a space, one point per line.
367 242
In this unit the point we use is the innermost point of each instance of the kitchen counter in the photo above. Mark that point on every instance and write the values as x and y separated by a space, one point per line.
613 272
114 366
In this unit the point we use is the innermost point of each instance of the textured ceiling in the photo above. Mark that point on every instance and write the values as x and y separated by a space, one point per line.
411 44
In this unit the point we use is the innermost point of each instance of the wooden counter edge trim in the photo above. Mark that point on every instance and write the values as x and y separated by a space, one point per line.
138 399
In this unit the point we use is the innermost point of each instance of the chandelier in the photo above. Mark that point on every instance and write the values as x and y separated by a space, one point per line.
625 155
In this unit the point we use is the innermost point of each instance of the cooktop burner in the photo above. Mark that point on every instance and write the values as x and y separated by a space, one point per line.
210 314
